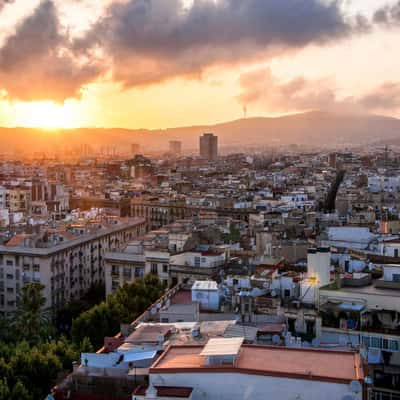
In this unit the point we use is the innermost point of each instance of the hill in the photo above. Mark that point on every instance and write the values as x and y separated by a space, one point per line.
316 127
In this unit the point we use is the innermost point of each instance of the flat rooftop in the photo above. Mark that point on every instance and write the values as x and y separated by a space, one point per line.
297 363
368 289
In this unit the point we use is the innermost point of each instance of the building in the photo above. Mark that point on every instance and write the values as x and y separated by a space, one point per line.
225 369
206 293
66 262
209 146
175 147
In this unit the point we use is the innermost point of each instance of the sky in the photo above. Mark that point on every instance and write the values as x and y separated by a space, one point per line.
167 63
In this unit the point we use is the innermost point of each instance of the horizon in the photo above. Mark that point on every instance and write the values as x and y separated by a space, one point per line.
212 124
93 67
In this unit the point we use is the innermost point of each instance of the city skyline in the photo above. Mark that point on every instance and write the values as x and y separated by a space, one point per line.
93 67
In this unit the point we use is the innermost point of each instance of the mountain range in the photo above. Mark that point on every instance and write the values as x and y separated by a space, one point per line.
314 127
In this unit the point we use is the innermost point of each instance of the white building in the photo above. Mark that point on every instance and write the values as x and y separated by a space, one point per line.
225 369
207 294
348 237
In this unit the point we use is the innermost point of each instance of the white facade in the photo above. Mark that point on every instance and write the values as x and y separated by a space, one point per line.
391 273
198 259
239 386
207 294
349 237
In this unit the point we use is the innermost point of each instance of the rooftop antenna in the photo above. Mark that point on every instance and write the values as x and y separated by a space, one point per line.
244 111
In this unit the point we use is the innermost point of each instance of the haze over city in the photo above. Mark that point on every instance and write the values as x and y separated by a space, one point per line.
199 199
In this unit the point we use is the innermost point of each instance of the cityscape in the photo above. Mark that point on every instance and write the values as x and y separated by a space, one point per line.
199 200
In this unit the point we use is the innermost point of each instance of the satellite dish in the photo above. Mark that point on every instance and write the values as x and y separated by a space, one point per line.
355 386
273 293
276 340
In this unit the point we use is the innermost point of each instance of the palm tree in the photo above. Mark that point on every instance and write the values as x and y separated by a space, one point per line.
32 319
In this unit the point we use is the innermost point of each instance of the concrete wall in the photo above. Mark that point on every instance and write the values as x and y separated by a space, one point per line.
231 386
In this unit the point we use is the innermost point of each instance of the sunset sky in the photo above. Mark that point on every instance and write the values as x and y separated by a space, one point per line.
165 63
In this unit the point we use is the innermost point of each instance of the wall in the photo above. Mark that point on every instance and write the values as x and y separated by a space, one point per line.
231 386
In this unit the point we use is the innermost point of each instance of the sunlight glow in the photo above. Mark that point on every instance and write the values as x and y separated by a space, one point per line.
48 115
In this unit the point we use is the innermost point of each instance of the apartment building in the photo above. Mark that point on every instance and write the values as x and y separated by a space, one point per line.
66 262
125 267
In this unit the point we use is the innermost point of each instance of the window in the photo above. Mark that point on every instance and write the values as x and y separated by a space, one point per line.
114 285
165 268
396 277
139 272
197 261
154 268
115 270
127 272
9 263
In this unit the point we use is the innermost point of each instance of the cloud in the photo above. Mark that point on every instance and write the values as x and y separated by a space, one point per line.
149 41
388 15
261 86
4 2
36 64
143 42
299 94
384 97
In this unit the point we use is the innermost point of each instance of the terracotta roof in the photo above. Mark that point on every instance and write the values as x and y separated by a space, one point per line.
182 296
17 240
298 363
166 391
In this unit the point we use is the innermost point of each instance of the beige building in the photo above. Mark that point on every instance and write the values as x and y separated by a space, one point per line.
66 265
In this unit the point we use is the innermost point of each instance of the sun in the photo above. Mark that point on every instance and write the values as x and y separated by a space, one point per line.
48 115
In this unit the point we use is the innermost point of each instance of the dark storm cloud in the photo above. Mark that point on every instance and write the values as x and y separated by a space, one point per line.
151 40
143 42
35 63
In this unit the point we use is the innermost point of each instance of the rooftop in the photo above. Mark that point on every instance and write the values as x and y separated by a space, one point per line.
297 363
205 285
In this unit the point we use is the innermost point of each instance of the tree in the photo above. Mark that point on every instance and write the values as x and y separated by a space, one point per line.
32 320
4 390
123 306
86 346
20 392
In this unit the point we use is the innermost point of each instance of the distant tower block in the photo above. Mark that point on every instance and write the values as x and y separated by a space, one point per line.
209 146
332 160
135 149
175 147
